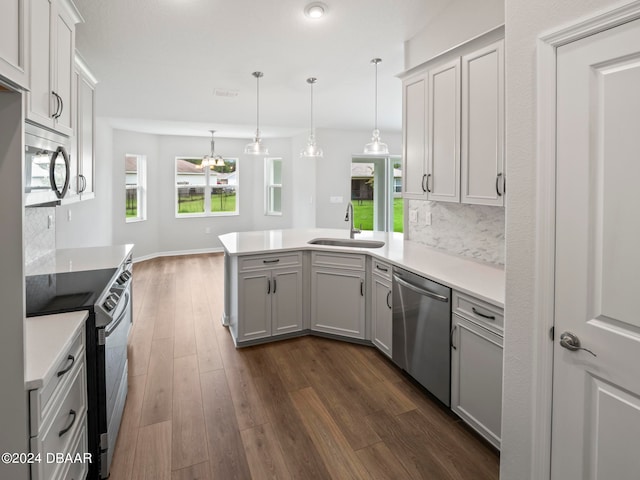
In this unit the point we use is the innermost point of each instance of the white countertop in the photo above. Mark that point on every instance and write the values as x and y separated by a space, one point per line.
481 280
47 339
79 259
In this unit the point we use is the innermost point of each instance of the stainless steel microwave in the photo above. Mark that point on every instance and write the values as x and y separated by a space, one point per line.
47 169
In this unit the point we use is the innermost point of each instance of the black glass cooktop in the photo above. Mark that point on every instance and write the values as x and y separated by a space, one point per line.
65 292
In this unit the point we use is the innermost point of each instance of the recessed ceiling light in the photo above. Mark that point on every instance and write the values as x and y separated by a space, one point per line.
315 10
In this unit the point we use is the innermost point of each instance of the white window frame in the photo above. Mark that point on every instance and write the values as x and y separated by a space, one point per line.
141 188
207 190
270 186
382 220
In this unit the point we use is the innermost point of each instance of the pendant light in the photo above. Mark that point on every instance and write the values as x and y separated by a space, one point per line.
376 147
256 147
311 150
212 160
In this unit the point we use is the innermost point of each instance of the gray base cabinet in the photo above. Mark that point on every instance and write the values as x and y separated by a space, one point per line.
269 296
476 366
381 307
338 294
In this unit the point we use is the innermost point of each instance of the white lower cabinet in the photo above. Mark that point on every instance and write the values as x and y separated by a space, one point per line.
476 377
269 297
381 308
59 418
338 294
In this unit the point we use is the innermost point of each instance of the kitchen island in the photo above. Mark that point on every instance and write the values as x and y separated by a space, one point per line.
244 252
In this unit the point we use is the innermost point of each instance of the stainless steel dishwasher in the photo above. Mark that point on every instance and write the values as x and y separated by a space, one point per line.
421 326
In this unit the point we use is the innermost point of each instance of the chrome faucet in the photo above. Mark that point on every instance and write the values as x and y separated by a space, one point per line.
349 216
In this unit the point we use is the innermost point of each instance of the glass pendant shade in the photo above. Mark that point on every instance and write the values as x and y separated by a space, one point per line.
376 147
212 160
312 150
256 147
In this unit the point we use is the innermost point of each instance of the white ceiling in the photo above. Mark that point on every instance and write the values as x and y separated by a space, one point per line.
159 62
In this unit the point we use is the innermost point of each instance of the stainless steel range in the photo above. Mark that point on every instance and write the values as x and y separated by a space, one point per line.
106 294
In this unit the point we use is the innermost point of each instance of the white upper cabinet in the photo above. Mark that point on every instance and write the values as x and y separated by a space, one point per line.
84 127
453 126
50 102
415 132
483 126
443 172
13 52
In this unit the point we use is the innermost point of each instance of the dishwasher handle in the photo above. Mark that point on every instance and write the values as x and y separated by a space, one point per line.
420 290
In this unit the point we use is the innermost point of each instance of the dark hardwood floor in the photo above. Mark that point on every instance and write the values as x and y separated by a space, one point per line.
306 408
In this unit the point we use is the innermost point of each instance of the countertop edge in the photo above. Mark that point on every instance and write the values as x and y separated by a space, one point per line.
495 273
68 325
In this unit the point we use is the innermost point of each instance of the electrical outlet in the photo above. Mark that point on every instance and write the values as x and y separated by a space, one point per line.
68 215
49 221
207 229
413 216
427 218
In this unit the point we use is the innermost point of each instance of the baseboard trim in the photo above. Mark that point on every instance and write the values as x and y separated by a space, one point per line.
178 253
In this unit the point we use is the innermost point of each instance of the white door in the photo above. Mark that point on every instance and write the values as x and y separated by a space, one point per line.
415 132
596 398
286 301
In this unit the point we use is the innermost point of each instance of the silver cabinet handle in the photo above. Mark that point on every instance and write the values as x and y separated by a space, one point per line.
570 341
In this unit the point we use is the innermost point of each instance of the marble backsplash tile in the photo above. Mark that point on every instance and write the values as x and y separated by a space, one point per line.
39 234
474 231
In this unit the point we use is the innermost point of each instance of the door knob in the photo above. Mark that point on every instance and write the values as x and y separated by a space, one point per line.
571 342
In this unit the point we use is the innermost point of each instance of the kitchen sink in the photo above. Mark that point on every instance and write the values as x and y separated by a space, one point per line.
347 242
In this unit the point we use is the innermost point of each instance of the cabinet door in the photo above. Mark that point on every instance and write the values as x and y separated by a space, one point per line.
381 314
12 42
40 102
254 305
443 174
64 47
476 378
286 301
483 126
85 134
415 137
337 300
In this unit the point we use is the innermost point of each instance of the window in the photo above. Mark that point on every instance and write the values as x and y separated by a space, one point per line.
136 187
202 191
273 186
376 193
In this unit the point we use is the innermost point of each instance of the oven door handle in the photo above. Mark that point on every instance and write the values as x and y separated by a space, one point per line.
113 325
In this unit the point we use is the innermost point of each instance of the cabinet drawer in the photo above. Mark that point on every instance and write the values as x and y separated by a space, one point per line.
381 268
254 262
482 313
62 425
40 400
78 468
338 260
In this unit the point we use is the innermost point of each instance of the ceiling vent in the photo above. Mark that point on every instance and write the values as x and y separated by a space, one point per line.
223 92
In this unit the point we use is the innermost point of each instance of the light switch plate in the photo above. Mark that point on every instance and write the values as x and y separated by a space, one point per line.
427 218
413 216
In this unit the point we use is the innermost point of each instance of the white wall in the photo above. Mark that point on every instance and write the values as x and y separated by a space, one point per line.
333 172
162 232
90 223
459 22
14 426
525 21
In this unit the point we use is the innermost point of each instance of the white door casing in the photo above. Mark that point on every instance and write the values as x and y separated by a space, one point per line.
596 399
